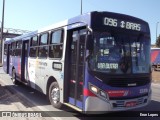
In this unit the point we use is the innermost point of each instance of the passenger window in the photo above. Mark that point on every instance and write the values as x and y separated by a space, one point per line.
34 41
33 52
13 45
56 44
5 49
55 51
13 48
44 39
57 37
43 52
18 48
19 44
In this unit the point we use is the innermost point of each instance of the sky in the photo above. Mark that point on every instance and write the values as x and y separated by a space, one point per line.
35 14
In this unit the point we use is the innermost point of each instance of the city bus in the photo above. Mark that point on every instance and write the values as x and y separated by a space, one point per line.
98 61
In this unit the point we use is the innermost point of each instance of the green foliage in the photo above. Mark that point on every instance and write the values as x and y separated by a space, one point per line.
158 42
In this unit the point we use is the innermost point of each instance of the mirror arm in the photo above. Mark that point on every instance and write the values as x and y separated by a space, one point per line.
89 29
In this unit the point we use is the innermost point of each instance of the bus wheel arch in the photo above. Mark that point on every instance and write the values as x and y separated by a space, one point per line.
53 92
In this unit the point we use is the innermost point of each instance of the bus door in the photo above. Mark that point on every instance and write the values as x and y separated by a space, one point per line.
24 67
76 69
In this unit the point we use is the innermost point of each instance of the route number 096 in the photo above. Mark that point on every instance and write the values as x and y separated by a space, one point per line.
110 22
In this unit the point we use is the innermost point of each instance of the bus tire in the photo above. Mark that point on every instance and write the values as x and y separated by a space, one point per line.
54 95
14 80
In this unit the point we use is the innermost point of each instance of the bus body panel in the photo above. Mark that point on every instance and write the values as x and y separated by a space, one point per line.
95 104
5 63
40 70
17 66
119 96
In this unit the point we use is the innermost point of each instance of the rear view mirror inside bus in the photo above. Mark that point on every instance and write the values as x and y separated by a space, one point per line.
89 43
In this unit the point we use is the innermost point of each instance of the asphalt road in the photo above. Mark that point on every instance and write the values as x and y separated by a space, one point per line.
39 101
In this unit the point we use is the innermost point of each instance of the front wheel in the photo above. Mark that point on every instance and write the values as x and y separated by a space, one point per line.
54 95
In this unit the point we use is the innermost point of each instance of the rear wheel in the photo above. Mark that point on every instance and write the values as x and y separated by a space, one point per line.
14 80
54 95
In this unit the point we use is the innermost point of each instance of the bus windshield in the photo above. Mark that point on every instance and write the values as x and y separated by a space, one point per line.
119 53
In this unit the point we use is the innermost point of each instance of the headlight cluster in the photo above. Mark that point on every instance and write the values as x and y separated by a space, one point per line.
100 93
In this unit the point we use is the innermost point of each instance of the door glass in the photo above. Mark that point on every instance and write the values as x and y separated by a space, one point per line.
77 67
73 63
26 78
81 65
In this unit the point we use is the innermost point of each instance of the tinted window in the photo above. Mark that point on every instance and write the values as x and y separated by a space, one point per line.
56 47
33 52
5 49
34 41
13 47
43 52
18 52
57 37
19 44
55 51
44 39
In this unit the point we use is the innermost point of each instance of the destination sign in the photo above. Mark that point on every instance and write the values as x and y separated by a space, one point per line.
122 24
107 66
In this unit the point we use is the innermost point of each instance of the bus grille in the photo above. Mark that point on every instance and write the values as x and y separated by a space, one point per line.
128 82
121 103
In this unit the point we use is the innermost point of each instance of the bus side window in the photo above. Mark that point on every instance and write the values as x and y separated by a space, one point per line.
34 41
33 49
43 52
10 51
44 39
18 48
56 44
5 49
43 48
13 48
33 52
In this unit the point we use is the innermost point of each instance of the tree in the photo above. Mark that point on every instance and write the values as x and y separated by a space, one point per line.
158 42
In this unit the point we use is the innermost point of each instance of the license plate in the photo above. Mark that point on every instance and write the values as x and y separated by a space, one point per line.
131 104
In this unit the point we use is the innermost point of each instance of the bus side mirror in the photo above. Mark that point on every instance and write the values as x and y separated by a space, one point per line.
89 43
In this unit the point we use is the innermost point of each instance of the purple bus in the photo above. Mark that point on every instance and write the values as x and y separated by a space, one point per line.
99 61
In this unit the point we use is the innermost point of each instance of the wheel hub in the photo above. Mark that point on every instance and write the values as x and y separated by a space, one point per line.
55 95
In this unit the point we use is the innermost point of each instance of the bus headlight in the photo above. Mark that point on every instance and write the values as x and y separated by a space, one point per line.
97 91
93 89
